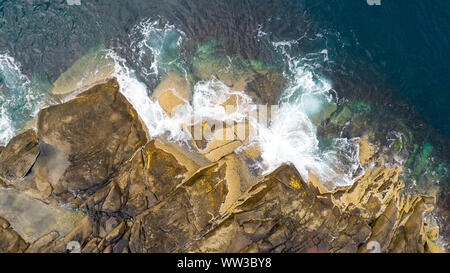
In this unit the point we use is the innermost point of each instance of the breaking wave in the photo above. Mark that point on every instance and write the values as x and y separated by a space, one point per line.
20 98
291 135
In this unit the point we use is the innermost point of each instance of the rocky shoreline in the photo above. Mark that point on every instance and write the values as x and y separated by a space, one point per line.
132 193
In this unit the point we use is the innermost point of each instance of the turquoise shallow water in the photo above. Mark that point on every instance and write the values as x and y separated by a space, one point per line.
384 67
401 46
394 54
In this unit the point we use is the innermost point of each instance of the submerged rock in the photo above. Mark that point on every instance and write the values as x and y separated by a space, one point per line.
92 68
144 195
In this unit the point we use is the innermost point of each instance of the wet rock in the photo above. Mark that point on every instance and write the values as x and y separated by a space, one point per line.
366 152
33 218
169 100
217 139
92 68
19 156
96 133
171 92
10 241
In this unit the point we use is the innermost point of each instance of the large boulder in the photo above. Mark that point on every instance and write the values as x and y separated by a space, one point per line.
10 241
91 136
190 209
19 155
146 179
278 213
281 213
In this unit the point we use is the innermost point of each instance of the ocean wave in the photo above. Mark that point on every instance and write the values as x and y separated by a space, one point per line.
290 137
20 98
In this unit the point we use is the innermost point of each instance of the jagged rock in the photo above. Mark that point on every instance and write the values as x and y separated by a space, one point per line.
371 193
80 233
122 245
281 213
10 241
42 242
144 180
1 148
116 233
19 156
92 246
401 227
151 196
190 208
92 136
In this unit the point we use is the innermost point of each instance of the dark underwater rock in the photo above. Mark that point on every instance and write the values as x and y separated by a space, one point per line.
142 195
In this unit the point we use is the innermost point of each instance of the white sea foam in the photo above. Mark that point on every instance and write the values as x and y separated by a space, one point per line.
6 128
19 99
290 137
159 43
205 104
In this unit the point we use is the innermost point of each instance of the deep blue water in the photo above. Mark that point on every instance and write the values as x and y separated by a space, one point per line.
392 57
399 48
407 41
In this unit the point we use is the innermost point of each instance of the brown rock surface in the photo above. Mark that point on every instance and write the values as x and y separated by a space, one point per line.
151 196
171 92
95 133
19 156
190 208
42 242
10 241
281 213
142 181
